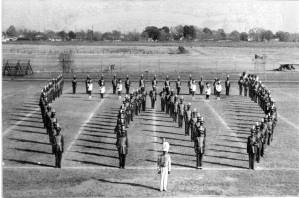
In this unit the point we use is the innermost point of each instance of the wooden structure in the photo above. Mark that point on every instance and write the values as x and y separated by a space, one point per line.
17 69
286 67
259 62
66 61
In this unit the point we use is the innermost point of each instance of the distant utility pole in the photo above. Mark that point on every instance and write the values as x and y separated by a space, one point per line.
92 32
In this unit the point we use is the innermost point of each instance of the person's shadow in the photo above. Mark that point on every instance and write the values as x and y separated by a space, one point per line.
129 183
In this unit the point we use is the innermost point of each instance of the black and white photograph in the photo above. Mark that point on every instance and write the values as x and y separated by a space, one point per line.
150 98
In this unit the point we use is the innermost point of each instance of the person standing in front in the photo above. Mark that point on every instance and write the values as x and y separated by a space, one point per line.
89 88
74 84
208 91
59 146
122 145
227 85
164 166
218 89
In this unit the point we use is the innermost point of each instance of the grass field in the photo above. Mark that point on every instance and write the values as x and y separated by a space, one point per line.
156 58
90 160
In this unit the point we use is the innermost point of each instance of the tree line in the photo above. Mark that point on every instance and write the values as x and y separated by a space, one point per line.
153 33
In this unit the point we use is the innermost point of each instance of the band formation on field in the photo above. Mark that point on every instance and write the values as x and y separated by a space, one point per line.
172 103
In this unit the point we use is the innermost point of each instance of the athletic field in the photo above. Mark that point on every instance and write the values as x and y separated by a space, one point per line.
90 160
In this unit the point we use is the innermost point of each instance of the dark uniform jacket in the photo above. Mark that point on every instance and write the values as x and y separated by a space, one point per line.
178 84
199 144
122 144
251 145
153 95
181 108
59 143
199 130
227 84
127 83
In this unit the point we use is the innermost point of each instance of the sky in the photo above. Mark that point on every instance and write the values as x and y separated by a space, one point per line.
130 15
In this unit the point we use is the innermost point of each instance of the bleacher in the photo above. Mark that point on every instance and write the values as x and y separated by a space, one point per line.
17 68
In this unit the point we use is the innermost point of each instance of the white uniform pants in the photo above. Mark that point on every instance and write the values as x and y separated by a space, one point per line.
164 178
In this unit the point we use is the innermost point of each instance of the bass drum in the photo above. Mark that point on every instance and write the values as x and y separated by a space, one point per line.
102 90
218 88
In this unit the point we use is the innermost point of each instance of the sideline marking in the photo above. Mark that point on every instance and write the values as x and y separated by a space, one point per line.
84 124
24 118
7 96
287 93
146 168
19 122
226 125
155 134
287 121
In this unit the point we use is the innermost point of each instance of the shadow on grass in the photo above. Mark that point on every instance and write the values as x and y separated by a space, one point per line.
165 132
107 131
29 162
96 147
171 152
231 136
229 140
225 151
169 138
99 136
173 164
29 121
172 144
95 154
157 125
105 117
147 119
98 128
31 126
94 141
223 157
29 131
31 151
100 123
28 110
30 141
129 183
93 163
227 146
223 164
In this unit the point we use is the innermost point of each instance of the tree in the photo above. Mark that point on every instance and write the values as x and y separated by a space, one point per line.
97 36
207 31
244 36
62 35
253 35
177 32
189 32
116 35
283 36
89 35
50 34
28 35
267 35
11 31
256 34
132 36
81 35
164 33
165 29
71 35
152 32
107 36
220 34
234 35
